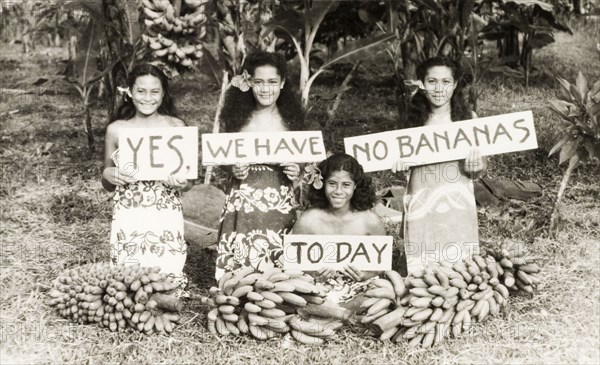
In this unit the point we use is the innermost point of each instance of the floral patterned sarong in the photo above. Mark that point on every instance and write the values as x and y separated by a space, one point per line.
258 211
147 227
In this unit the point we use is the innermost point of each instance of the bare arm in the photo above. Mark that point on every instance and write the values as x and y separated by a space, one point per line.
111 174
110 146
374 225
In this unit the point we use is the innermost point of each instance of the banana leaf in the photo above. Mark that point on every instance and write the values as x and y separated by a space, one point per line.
359 49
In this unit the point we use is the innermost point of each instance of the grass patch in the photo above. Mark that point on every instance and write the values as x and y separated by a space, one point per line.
55 215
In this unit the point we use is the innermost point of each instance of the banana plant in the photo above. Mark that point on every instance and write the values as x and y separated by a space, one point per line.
121 41
84 75
580 106
311 16
532 21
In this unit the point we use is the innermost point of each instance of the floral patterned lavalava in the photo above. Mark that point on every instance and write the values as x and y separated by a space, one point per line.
257 213
147 226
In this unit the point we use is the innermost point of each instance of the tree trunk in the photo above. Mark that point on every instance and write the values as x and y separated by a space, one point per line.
573 162
409 61
88 124
578 7
510 50
402 97
408 72
113 105
525 59
334 107
216 122
473 97
72 48
56 27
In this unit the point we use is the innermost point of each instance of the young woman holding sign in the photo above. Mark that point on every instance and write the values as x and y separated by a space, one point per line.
440 216
147 223
259 208
341 205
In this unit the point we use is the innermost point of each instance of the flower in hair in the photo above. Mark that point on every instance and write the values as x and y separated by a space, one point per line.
243 82
414 86
312 175
124 90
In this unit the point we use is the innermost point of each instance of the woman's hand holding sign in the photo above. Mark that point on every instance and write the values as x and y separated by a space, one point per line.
178 182
292 170
240 171
400 166
117 176
323 274
475 164
356 274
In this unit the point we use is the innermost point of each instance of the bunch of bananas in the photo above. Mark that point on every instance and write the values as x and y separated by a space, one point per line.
116 297
383 303
311 330
173 37
517 267
264 304
445 298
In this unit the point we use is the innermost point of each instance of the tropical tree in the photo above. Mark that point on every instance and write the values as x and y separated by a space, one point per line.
120 44
579 105
532 21
300 23
425 28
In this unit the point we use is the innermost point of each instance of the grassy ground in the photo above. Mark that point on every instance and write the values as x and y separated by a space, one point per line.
55 215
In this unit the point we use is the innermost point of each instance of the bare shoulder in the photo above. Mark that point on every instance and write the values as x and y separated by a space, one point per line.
311 214
112 130
374 223
175 122
308 220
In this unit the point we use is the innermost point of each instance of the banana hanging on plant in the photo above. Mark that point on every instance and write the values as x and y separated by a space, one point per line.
185 28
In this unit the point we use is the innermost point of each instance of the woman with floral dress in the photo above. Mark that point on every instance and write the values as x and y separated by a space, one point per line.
147 222
260 205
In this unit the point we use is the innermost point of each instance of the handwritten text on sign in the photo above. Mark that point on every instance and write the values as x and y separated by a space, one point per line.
273 147
155 153
313 252
444 142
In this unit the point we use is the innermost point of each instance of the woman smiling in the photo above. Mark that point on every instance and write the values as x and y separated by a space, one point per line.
341 207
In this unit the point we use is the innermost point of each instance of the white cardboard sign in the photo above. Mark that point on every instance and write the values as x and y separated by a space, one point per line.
273 147
445 142
313 252
155 153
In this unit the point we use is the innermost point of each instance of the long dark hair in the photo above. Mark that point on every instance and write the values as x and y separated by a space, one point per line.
127 110
238 105
364 197
419 109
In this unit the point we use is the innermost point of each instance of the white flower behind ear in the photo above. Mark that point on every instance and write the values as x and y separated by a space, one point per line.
243 81
124 90
414 86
